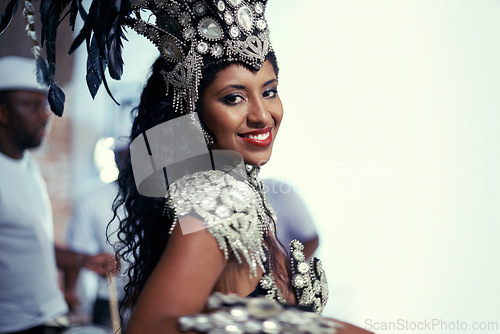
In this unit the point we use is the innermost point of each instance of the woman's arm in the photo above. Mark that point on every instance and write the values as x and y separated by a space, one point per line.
181 282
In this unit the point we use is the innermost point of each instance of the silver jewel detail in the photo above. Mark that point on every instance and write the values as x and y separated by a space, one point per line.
234 3
266 282
298 255
245 18
311 286
184 19
234 220
200 8
268 285
252 326
185 79
271 327
221 5
210 29
259 9
239 314
234 31
217 50
202 47
263 308
208 203
303 268
189 33
140 27
170 49
223 211
173 10
161 3
228 17
299 281
319 267
297 245
152 34
254 47
255 315
184 23
261 24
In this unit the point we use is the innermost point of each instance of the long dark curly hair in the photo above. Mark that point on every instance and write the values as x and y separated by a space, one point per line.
144 229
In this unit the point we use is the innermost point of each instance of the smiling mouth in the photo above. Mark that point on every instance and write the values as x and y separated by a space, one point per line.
260 138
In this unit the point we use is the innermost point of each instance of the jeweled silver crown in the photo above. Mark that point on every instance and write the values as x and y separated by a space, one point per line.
187 31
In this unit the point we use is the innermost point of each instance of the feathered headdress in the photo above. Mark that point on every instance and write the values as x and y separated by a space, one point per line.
184 31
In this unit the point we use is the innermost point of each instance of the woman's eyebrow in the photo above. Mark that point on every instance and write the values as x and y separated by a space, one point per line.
269 82
235 86
231 86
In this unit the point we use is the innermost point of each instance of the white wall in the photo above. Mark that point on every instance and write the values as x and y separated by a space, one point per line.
391 134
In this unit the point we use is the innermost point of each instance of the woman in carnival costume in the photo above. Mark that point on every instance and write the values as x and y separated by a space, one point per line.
199 233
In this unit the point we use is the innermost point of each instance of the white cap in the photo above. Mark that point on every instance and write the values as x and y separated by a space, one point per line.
18 73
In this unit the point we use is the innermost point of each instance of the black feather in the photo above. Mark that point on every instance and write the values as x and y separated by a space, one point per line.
81 11
94 67
103 31
63 17
84 34
56 99
7 15
105 82
73 12
42 71
50 13
115 36
103 15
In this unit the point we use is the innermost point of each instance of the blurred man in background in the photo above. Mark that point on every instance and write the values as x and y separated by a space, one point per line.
93 229
30 299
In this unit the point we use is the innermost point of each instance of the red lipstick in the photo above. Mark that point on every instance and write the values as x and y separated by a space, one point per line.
260 138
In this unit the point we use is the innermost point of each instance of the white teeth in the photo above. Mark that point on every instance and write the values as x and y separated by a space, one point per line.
261 136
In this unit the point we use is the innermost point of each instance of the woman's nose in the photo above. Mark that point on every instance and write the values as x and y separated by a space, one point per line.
258 113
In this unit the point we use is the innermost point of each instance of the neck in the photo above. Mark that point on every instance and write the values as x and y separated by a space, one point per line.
8 148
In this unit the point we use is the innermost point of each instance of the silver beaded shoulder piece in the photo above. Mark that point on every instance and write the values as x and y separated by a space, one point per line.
228 209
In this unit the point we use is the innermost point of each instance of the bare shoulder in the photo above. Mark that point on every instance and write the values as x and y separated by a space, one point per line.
183 277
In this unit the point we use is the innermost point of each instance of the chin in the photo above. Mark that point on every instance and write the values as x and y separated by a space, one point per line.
34 143
256 160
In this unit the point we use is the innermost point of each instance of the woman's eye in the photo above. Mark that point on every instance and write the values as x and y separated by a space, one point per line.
232 99
270 93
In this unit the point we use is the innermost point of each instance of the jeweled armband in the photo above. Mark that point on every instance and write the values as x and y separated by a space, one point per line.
309 280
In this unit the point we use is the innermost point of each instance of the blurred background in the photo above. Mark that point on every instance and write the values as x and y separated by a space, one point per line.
390 135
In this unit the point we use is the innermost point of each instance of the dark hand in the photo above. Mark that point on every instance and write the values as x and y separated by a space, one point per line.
72 299
103 264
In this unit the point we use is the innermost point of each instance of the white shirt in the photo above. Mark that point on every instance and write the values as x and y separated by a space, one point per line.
29 291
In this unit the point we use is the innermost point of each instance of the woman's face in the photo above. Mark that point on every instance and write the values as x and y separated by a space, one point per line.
243 110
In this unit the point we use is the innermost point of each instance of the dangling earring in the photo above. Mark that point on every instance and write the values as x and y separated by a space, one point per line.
209 138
